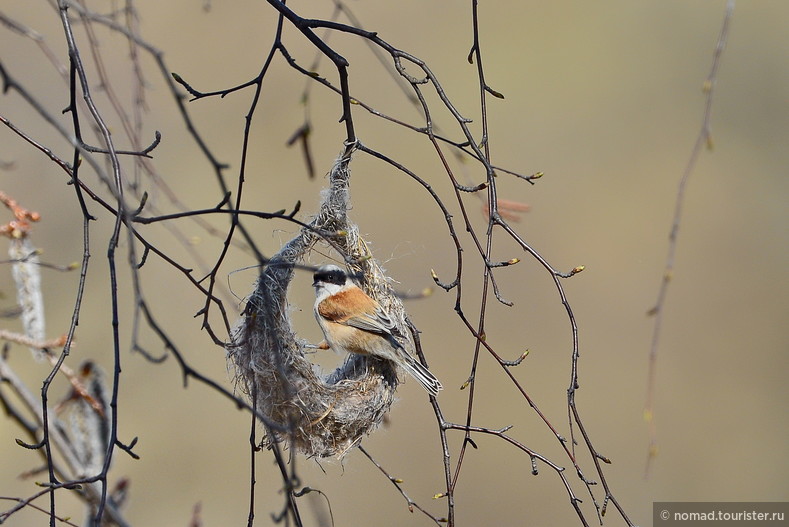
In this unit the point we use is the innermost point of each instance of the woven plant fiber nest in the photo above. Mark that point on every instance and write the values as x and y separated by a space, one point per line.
317 414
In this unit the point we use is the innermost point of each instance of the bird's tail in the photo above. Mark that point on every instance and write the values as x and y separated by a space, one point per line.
421 374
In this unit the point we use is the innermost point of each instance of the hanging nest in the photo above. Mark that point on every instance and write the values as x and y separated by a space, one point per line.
317 414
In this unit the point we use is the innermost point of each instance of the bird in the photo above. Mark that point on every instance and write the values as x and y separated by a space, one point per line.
354 322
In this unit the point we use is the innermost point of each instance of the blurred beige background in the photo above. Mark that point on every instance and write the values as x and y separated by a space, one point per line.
603 97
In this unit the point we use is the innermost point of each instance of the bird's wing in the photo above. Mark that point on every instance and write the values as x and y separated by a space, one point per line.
377 322
345 309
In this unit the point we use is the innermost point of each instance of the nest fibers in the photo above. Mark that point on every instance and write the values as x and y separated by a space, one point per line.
320 415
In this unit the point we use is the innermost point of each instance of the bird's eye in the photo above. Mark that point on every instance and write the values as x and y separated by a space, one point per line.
337 277
331 276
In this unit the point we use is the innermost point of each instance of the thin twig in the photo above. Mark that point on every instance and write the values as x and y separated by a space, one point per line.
703 139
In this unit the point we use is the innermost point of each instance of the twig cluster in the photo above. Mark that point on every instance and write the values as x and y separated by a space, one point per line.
318 415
